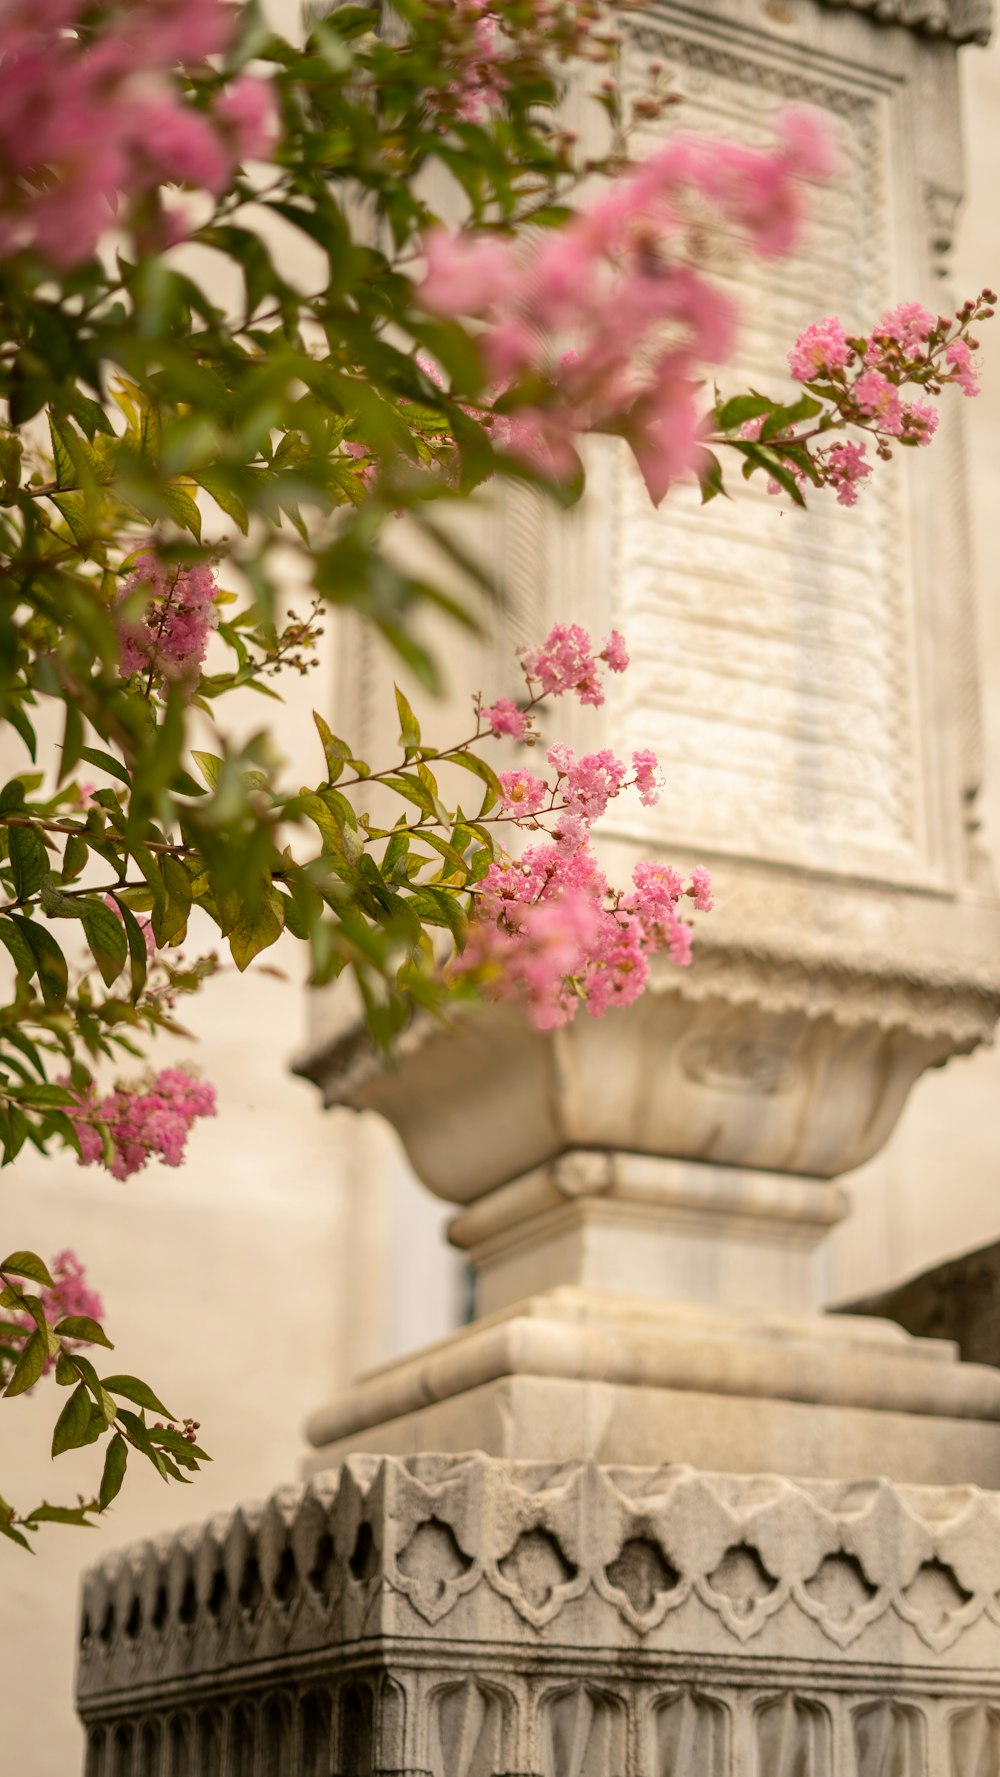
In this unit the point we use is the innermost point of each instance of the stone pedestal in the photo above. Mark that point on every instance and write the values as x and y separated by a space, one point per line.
463 1617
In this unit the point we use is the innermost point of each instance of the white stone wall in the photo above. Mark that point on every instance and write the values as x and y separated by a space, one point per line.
935 1190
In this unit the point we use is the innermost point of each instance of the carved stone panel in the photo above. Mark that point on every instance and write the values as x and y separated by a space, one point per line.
774 664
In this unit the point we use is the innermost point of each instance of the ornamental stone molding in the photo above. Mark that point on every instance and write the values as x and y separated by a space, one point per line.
464 1617
962 21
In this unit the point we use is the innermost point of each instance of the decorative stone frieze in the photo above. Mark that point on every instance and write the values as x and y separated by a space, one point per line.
470 1618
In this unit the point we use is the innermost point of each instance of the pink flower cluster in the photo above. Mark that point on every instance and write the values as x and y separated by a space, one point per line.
547 927
70 1294
566 661
145 1118
474 61
92 115
860 379
170 640
609 312
910 345
550 931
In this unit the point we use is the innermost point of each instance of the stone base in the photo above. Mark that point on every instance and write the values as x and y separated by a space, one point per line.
463 1617
573 1373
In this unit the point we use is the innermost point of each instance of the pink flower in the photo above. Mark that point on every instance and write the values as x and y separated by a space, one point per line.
248 111
819 351
170 640
920 421
909 324
811 149
504 717
465 274
184 147
665 435
144 1118
701 888
878 399
523 791
565 662
92 117
510 348
615 652
542 438
649 779
589 783
845 467
959 356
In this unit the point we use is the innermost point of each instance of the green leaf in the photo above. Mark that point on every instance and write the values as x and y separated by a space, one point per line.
53 974
224 496
75 511
28 1265
30 1365
132 1389
170 917
183 509
21 953
210 768
339 838
73 1423
29 860
63 457
82 1326
409 727
336 752
258 930
15 1536
179 1444
74 857
106 937
486 774
138 955
41 1094
46 1514
414 791
115 1464
735 413
107 762
66 1371
709 473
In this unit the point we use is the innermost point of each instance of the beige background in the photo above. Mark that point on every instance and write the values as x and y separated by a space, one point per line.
294 1249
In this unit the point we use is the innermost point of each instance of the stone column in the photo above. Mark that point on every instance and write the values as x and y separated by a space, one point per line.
650 1514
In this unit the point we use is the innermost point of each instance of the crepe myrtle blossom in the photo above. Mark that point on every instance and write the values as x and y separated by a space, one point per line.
610 315
877 383
94 120
145 1119
547 928
551 932
165 616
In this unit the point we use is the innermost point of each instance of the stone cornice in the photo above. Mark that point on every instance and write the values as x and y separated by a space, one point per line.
962 21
